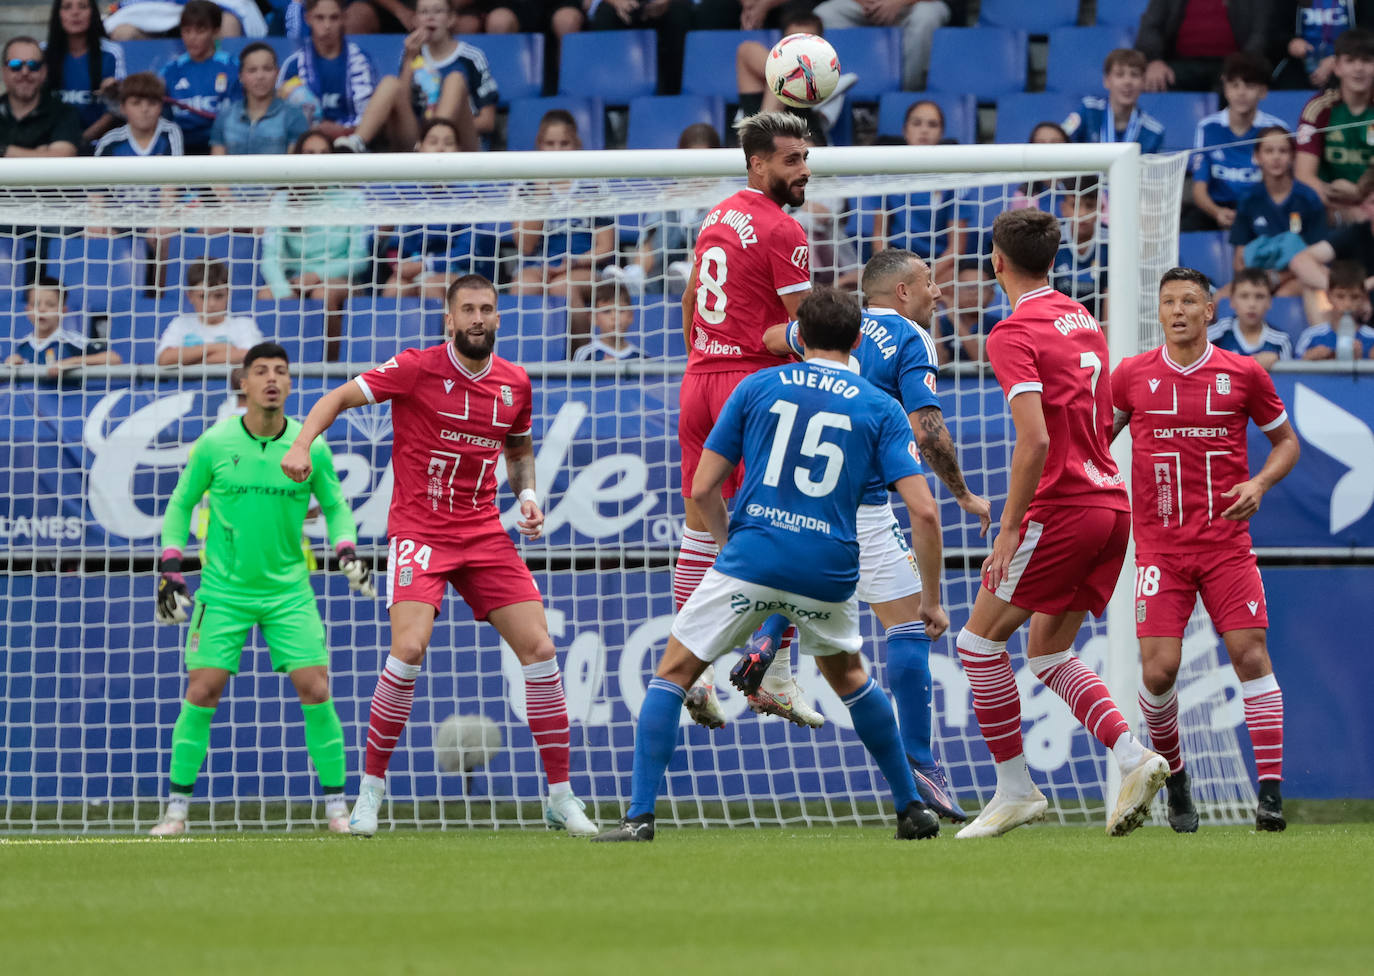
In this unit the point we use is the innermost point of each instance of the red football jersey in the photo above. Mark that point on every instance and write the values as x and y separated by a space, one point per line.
1050 345
1188 433
449 428
748 254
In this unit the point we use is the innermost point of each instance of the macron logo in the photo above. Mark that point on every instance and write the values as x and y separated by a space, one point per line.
1253 605
1154 385
448 386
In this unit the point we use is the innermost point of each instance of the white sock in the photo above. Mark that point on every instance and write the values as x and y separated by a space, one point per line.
1128 752
378 781
1013 777
406 672
178 805
335 805
558 789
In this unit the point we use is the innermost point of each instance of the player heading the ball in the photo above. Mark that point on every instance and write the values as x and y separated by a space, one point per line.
1064 531
809 435
1189 404
456 409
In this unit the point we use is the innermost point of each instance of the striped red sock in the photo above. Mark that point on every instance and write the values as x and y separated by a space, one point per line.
1264 718
390 711
1161 721
546 711
996 700
696 555
1087 696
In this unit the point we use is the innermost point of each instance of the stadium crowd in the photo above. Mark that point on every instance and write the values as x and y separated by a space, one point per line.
1275 97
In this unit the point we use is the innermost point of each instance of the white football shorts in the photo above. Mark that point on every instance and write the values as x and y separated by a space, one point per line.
723 612
887 569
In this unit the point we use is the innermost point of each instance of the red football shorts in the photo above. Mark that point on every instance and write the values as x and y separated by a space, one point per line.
1068 558
485 569
1167 586
699 404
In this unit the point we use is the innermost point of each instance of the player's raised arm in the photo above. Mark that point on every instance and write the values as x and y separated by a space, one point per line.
296 463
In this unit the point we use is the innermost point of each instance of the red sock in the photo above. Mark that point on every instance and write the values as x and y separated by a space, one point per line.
389 712
697 555
996 700
1161 720
546 711
1088 698
1264 718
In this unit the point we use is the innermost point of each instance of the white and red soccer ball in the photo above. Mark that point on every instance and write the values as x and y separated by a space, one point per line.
802 70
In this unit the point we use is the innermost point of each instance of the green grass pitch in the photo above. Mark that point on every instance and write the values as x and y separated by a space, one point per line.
1055 900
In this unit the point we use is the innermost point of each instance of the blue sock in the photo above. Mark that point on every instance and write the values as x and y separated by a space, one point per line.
908 674
877 727
774 627
655 741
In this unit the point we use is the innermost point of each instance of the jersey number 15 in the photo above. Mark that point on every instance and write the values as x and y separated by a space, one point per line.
812 446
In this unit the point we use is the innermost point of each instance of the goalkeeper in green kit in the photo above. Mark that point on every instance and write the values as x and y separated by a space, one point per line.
253 571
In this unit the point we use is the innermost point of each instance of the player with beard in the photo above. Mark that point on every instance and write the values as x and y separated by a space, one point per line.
455 409
751 271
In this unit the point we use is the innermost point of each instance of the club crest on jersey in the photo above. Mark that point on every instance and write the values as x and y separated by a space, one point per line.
221 83
1223 383
448 386
1154 385
1140 611
507 397
407 574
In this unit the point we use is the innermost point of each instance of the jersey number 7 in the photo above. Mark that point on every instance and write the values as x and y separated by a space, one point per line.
811 447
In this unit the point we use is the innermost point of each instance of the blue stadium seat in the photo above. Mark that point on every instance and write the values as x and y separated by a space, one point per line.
290 318
151 55
986 62
411 321
1287 105
533 330
1122 13
658 331
92 269
874 54
134 332
383 49
614 65
302 349
1076 55
657 121
1180 112
961 113
284 46
1039 17
1020 112
709 61
1208 252
523 124
516 62
11 263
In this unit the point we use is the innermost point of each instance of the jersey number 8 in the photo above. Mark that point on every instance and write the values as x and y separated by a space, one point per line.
811 447
711 286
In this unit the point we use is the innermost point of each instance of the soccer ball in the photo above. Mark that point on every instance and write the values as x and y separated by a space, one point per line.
464 742
802 70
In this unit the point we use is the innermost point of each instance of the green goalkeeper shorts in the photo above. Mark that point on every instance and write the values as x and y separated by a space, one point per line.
290 624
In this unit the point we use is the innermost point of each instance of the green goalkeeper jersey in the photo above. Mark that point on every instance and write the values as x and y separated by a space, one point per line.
253 545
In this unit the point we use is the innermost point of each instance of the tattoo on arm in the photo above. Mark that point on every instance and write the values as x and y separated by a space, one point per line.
938 447
520 463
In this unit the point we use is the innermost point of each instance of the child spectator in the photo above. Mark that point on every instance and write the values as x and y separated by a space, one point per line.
1345 332
200 81
146 133
1118 117
83 64
611 319
1080 266
1310 59
259 122
1246 332
443 76
1278 218
968 318
51 345
1353 242
924 222
1223 163
210 334
1333 145
422 252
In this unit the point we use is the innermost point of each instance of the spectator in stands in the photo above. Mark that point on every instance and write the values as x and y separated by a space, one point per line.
1223 164
1040 194
961 330
259 122
83 64
421 254
1353 242
379 16
146 133
670 20
50 344
135 20
1118 117
754 96
555 18
1333 144
926 221
443 76
1308 57
1080 266
33 121
612 318
202 79
918 20
1279 218
1186 41
1344 332
1246 332
209 334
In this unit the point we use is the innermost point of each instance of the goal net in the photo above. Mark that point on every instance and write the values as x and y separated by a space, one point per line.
341 259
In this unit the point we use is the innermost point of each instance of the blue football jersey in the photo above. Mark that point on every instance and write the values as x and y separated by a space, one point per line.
1225 334
74 84
1226 161
195 92
811 436
1093 122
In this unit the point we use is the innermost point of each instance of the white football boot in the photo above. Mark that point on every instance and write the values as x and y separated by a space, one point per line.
565 812
702 703
1138 790
1005 812
782 696
362 822
173 822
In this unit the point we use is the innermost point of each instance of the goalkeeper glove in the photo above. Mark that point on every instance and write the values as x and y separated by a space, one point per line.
173 600
356 571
